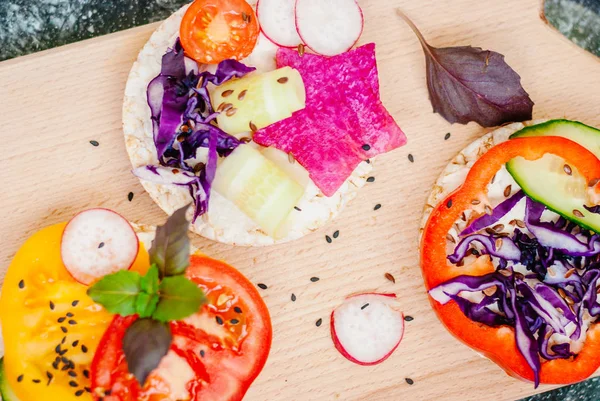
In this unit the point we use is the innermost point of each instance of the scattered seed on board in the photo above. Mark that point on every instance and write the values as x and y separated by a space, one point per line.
410 381
95 143
297 208
377 206
447 136
371 179
364 306
408 318
282 80
567 169
328 239
293 297
411 158
366 147
314 279
101 245
389 277
577 213
318 322
262 286
130 196
507 191
336 234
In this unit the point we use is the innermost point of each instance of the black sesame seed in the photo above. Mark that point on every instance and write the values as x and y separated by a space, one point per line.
101 245
364 306
75 343
86 373
377 206
36 381
64 351
94 143
57 349
65 360
66 367
20 378
293 297
409 318
237 309
84 348
55 364
72 373
318 322
69 314
51 305
297 208
411 158
72 322
87 389
73 383
368 161
314 279
74 303
219 320
447 136
449 203
21 284
328 239
410 381
130 196
202 353
262 286
234 321
63 340
366 147
336 234
49 376
61 319
79 393
371 179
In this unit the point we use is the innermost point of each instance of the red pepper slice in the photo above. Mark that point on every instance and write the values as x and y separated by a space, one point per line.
498 343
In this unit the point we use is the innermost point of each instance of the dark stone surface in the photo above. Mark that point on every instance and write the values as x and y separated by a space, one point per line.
27 26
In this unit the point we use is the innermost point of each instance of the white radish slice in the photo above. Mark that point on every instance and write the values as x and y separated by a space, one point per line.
277 21
367 328
329 27
98 242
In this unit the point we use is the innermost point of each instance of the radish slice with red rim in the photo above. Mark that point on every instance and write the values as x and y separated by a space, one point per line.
98 242
367 328
277 21
329 27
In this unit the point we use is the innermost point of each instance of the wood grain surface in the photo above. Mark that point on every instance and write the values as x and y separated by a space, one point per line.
53 103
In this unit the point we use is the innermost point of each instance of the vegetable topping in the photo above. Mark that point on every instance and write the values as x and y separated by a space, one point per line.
537 275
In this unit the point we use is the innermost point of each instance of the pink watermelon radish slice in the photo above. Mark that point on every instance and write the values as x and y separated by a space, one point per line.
344 121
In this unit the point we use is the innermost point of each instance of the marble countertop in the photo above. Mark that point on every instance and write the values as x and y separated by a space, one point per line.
28 26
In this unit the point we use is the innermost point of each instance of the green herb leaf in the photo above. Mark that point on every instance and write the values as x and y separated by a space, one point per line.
179 298
117 292
145 304
149 283
145 343
170 249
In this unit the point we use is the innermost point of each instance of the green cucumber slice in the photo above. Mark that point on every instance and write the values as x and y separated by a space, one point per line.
548 181
5 390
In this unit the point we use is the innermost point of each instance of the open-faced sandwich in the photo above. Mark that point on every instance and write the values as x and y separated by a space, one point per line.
99 309
510 250
269 141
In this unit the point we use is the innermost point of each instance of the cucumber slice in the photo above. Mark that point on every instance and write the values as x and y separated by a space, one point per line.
547 181
5 390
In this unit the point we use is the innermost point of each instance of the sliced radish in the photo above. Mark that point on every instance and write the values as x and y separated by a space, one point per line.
329 27
277 21
367 328
98 242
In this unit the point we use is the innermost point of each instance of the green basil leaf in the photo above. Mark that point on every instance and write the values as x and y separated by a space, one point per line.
179 298
145 343
117 292
149 283
170 249
145 304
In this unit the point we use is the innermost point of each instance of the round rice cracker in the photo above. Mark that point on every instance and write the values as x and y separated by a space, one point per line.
224 222
454 174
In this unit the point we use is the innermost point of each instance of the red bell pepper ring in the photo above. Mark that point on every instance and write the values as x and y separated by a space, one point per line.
498 343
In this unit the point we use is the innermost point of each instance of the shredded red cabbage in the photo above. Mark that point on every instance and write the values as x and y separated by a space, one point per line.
183 121
554 297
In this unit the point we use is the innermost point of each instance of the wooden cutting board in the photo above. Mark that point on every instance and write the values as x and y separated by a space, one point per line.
53 103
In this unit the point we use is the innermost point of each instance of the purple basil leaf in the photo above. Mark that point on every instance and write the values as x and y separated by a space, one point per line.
470 84
145 343
170 249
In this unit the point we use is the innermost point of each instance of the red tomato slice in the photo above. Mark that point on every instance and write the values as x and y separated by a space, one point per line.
216 30
215 354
